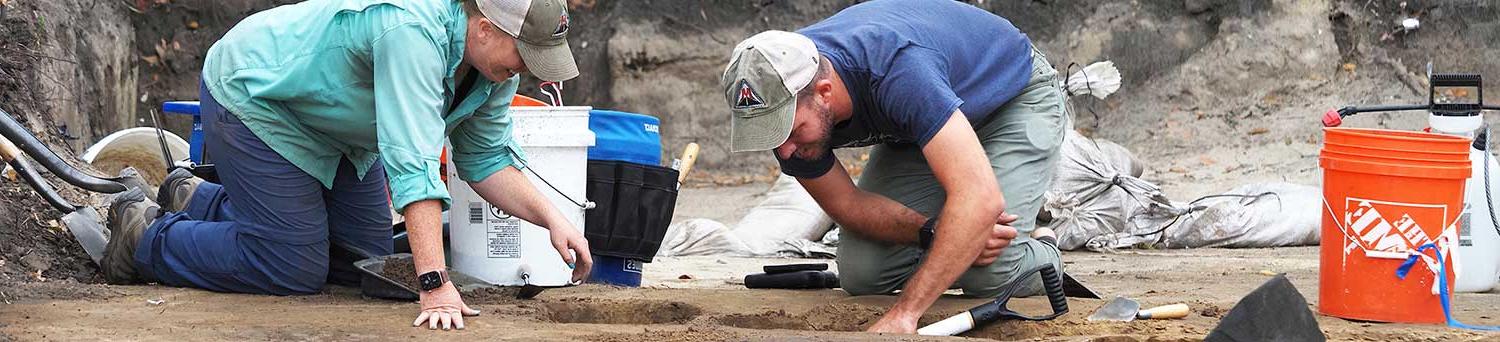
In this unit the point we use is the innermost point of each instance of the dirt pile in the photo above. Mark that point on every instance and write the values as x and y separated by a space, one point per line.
401 270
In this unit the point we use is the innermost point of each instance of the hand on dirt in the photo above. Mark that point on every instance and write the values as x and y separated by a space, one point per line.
565 238
1000 237
893 322
442 307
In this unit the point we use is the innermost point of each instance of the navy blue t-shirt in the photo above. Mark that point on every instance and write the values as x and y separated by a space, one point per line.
908 64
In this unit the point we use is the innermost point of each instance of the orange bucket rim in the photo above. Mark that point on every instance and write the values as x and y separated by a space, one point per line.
1342 154
1326 143
1412 171
1412 136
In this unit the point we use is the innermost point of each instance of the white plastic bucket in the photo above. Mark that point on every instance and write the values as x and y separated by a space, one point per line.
497 248
139 147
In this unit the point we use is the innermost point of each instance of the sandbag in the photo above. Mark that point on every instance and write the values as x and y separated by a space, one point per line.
701 237
1252 215
1095 192
788 213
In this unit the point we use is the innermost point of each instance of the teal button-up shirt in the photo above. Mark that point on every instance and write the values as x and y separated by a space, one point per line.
366 80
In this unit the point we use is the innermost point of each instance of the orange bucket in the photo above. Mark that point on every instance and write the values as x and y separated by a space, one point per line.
1386 193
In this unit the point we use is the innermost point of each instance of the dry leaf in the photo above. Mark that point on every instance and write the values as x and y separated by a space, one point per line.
151 60
192 25
1177 169
1206 160
1259 131
1349 67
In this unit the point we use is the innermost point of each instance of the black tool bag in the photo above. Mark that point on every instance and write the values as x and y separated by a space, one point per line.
634 206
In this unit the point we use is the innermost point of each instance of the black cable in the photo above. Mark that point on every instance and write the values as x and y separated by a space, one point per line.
1489 202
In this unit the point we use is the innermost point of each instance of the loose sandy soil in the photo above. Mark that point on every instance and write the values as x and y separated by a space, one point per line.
712 306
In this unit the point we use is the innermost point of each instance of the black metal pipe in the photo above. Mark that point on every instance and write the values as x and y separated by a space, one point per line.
29 144
35 180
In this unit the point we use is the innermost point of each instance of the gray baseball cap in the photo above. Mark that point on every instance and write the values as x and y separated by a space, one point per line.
765 73
541 31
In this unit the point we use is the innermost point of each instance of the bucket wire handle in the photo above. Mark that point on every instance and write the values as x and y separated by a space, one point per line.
585 205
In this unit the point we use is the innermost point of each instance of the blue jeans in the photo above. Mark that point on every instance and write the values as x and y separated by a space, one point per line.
268 226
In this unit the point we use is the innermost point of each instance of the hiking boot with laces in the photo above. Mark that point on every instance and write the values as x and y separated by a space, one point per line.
176 189
130 213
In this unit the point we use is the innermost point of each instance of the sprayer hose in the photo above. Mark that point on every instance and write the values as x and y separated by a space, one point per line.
29 144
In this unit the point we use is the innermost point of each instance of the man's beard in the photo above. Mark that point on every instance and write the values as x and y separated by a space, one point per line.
821 145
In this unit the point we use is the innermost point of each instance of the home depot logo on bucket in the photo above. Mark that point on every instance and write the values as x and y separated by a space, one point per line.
1371 231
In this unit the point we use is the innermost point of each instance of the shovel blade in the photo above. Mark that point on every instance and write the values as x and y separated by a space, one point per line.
1119 309
88 229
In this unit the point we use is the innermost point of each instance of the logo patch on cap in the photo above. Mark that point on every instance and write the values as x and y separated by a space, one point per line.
562 25
747 97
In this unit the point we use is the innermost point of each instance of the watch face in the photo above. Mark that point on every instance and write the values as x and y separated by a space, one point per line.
430 280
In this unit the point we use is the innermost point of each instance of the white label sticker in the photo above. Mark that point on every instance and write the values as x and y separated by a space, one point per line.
632 266
504 235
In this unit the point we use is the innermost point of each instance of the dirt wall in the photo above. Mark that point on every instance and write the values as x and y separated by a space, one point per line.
662 57
68 68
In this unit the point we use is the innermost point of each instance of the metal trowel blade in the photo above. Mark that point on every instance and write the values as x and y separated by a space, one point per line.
529 291
1119 309
87 228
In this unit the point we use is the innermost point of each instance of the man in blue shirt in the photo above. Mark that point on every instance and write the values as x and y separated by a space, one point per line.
967 117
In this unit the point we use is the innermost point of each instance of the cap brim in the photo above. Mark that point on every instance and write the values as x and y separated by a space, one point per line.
549 63
763 132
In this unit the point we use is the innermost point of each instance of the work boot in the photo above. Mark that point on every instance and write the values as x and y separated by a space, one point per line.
131 179
176 189
130 212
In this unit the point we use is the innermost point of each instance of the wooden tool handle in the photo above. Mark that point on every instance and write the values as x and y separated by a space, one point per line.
8 150
1164 312
689 156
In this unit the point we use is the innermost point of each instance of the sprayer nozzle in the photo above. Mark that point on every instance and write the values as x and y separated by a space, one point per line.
1331 118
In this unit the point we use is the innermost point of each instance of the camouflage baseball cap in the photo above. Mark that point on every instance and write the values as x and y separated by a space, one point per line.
765 73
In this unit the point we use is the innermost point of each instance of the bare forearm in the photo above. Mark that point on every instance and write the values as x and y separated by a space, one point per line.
424 227
960 237
878 218
510 190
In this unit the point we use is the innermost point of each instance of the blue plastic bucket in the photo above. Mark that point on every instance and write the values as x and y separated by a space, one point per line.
616 271
626 137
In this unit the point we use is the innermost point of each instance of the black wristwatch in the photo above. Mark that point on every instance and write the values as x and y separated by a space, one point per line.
432 280
927 233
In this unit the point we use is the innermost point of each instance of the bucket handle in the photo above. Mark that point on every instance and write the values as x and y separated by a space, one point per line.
585 205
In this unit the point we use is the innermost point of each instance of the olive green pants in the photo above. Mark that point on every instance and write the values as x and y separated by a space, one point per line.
1021 139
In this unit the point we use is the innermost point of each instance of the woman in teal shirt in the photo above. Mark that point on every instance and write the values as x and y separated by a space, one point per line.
313 109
